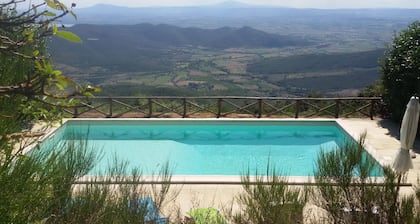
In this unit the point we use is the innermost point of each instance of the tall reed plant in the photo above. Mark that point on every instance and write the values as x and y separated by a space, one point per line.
267 199
37 184
346 189
39 187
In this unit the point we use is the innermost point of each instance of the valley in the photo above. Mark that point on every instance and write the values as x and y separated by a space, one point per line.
274 52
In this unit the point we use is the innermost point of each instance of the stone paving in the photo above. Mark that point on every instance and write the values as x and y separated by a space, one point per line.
381 141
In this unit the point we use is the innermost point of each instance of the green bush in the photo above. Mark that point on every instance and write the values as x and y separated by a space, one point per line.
206 215
37 185
401 70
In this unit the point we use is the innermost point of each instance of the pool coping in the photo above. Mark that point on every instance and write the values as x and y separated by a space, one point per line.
221 180
236 179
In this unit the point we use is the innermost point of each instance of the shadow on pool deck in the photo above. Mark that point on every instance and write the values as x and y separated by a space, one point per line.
394 131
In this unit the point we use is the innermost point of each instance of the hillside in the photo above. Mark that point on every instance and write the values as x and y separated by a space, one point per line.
145 47
316 62
163 59
162 36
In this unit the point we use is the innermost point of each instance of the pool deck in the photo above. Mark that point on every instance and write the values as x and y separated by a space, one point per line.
382 142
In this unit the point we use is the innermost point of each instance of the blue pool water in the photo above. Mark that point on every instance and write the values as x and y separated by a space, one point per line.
208 147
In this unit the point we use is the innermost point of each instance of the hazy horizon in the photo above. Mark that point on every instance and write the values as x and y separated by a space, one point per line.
318 4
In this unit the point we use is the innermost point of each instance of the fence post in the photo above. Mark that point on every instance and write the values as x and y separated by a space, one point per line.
337 108
260 107
372 108
219 107
110 107
297 108
184 101
76 112
149 102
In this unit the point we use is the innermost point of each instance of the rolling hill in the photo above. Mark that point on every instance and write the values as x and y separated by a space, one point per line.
316 62
162 36
145 47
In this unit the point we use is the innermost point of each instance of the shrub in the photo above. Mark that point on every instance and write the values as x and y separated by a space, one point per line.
36 185
345 189
269 199
401 70
39 186
206 215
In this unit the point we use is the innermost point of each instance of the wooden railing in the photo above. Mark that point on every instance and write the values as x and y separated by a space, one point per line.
224 106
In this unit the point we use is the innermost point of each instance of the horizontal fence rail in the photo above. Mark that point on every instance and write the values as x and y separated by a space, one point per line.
222 106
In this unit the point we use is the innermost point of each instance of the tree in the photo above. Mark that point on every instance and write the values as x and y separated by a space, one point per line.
28 81
30 89
401 70
38 186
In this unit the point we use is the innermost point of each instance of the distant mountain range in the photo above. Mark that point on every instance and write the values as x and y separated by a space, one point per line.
227 14
372 27
136 45
233 4
163 36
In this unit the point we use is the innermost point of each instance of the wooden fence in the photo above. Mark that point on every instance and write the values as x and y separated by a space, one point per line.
223 106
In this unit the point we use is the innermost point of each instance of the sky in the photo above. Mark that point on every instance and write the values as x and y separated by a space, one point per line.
324 4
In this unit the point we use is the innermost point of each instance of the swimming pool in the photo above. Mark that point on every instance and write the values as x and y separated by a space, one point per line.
208 147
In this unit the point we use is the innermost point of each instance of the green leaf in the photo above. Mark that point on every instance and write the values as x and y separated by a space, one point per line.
47 67
35 53
56 72
97 90
38 65
31 36
54 29
60 86
54 4
26 32
73 14
62 6
69 36
88 94
51 4
51 14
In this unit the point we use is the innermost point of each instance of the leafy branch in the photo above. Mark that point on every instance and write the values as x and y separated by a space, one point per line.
26 73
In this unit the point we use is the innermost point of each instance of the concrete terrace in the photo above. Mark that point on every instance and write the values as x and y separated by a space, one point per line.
382 142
